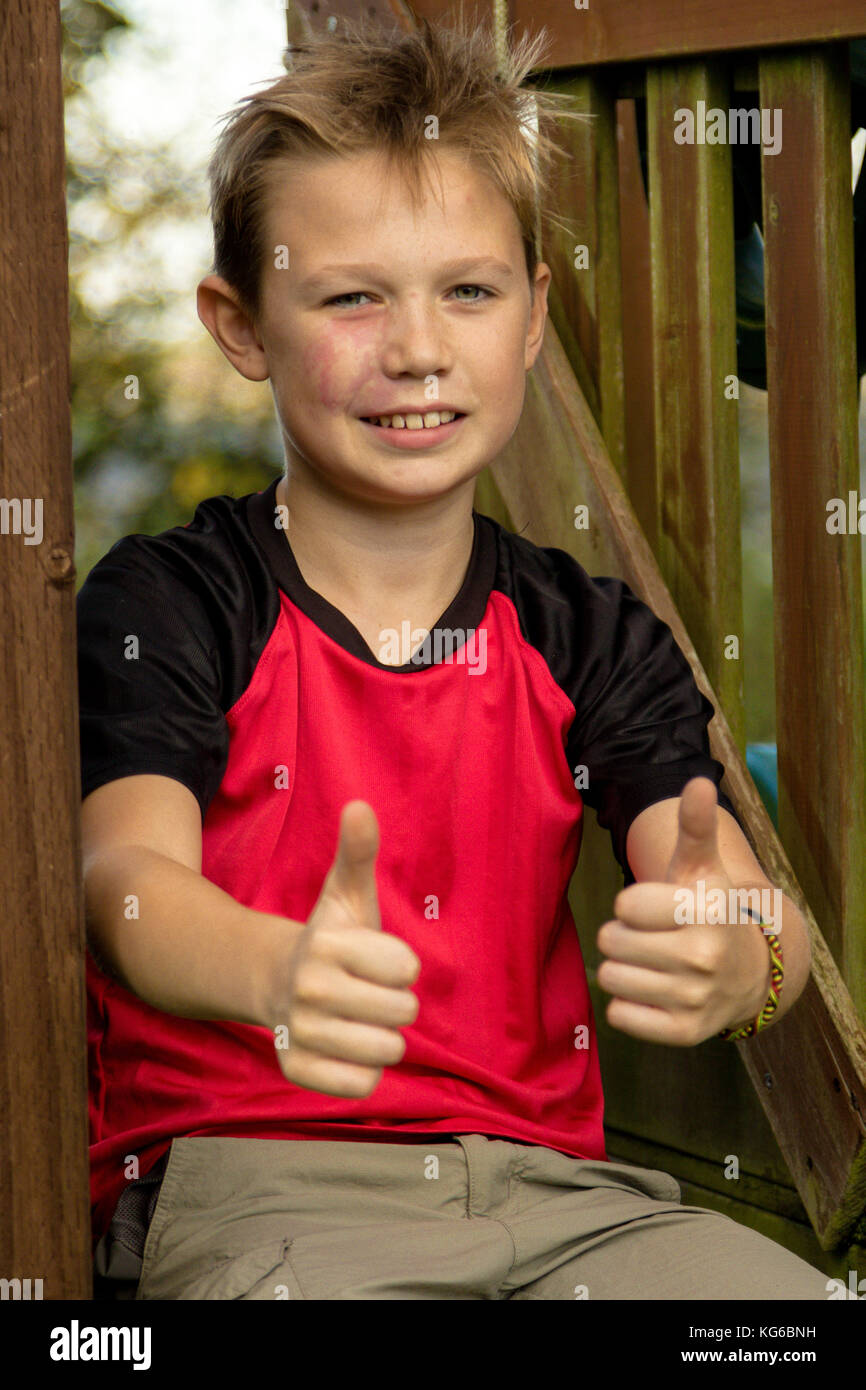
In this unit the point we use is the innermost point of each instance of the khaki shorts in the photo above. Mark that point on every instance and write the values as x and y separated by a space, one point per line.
462 1217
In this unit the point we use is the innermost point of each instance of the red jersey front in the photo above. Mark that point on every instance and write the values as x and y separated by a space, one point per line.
263 699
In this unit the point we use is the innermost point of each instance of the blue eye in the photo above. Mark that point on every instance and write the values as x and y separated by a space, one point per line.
478 295
352 294
479 288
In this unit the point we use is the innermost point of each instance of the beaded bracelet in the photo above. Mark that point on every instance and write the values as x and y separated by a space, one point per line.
776 973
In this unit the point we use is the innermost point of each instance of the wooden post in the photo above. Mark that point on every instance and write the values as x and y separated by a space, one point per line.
813 407
695 363
44 1207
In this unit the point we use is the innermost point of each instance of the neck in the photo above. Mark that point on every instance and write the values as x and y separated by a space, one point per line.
380 563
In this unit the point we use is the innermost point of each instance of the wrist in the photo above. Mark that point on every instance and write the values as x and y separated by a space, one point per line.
767 1013
276 938
760 973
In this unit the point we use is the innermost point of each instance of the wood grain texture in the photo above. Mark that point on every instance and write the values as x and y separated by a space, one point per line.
44 1205
695 358
813 430
610 31
586 299
637 336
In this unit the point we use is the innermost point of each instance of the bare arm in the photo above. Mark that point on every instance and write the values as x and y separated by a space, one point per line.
192 949
337 985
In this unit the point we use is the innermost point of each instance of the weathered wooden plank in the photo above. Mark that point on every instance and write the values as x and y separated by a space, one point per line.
816 1056
607 31
771 1208
813 428
44 1205
695 362
304 17
584 254
637 337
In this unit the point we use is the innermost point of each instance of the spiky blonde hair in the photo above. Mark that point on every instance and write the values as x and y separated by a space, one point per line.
362 88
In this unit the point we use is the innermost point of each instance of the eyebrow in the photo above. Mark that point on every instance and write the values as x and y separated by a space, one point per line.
476 265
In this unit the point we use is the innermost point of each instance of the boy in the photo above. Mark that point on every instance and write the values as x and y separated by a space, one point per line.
341 1037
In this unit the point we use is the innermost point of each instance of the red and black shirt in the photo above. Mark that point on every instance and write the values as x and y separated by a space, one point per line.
260 696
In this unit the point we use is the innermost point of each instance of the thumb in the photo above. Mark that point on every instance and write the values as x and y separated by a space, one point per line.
352 875
696 854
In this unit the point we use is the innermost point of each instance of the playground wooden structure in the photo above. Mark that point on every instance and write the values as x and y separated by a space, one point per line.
627 414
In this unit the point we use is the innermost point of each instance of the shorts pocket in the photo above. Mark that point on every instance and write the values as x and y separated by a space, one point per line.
161 1211
651 1182
262 1274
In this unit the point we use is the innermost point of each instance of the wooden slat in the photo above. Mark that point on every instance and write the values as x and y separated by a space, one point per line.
309 16
586 302
637 338
44 1205
306 16
816 1055
695 352
813 410
609 31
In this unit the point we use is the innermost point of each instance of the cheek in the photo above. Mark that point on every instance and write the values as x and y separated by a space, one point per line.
339 363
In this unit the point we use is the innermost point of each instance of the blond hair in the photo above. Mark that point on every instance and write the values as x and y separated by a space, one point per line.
362 88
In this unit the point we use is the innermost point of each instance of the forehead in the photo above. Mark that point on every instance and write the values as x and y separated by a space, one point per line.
325 205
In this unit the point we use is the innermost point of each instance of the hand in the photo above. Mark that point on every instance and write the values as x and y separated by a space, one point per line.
679 984
346 996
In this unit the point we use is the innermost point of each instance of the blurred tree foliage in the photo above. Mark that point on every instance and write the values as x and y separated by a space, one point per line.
142 463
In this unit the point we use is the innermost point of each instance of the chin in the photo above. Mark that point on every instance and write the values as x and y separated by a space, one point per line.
407 479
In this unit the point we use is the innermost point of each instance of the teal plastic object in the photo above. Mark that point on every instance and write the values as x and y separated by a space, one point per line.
763 766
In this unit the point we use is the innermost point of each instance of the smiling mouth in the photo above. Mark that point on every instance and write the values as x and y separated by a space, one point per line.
430 420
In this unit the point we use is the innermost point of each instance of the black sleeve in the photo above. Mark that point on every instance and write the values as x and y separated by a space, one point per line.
157 709
641 721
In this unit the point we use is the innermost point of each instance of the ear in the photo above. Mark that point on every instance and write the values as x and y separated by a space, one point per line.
537 314
231 327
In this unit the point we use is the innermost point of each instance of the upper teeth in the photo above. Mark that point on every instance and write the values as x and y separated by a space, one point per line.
415 422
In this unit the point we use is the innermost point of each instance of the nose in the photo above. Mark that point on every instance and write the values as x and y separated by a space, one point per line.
415 341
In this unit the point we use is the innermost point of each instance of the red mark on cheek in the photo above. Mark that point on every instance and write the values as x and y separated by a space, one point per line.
341 361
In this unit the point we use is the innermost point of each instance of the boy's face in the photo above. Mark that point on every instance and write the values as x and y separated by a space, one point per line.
384 309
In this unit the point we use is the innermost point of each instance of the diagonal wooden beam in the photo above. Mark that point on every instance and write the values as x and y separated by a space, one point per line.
809 1070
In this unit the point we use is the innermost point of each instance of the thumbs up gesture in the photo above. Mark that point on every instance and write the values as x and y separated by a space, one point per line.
673 982
346 994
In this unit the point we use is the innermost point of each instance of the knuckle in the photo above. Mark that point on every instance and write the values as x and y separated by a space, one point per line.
400 956
604 938
313 986
299 1029
325 943
366 1082
685 1031
693 994
704 954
